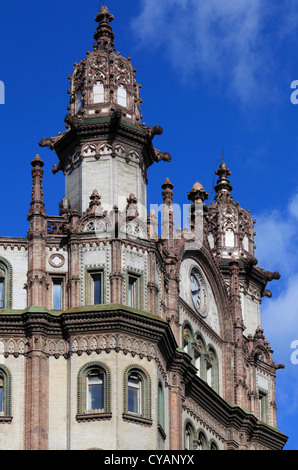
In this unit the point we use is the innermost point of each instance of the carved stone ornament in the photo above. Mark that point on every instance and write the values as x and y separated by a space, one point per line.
56 260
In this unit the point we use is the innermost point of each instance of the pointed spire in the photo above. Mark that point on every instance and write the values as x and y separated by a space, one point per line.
223 185
104 35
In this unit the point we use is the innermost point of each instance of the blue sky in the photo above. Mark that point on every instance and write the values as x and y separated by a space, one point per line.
215 75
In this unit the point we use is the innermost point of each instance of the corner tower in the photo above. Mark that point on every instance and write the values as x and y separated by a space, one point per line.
105 147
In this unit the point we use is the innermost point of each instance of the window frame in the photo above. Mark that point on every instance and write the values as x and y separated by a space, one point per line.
144 414
7 277
138 284
58 280
122 99
90 275
83 411
101 94
5 413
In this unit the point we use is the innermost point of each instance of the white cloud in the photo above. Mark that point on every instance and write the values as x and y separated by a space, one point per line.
222 40
277 236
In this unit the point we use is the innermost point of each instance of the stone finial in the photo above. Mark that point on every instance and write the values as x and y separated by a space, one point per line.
197 194
94 201
37 161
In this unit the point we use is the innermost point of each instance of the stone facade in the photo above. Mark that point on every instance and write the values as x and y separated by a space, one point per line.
117 332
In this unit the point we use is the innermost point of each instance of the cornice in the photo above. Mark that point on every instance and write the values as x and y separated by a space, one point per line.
232 416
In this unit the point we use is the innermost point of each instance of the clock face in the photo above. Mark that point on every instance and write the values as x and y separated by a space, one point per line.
195 289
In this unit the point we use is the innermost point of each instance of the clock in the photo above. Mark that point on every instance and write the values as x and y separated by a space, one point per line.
195 289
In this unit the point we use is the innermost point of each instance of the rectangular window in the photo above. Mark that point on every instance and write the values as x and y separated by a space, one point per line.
94 285
263 406
79 101
1 293
97 289
57 294
133 291
122 96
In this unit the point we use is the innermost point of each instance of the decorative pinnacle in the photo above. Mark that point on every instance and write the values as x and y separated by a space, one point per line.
104 35
167 193
223 183
37 161
198 194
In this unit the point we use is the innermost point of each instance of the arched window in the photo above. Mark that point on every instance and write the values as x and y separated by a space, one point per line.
94 390
213 446
212 369
5 393
98 93
137 393
189 437
199 354
122 96
134 393
5 284
202 441
187 340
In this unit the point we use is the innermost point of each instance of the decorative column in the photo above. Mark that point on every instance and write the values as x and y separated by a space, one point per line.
36 395
37 283
240 375
171 258
175 411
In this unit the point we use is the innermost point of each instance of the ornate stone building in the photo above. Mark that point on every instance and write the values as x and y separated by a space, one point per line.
119 332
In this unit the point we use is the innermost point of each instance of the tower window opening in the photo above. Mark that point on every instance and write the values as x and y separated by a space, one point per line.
133 292
98 93
122 96
57 294
97 289
79 102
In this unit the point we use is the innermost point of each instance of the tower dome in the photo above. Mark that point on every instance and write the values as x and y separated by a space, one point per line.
104 79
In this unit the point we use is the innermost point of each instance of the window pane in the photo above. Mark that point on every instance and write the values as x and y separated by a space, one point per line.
122 96
79 101
132 292
97 290
57 296
98 93
95 392
134 395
